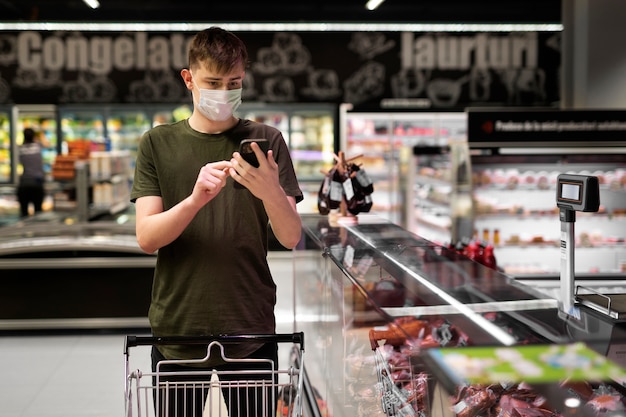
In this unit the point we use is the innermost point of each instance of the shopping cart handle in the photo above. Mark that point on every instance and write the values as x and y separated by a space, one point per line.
133 341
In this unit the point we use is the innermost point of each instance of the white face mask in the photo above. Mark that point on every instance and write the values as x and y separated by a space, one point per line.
219 105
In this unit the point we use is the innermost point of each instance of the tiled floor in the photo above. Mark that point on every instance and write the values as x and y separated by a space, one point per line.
81 374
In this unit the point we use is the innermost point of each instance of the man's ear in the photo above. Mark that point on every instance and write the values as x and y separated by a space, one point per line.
187 78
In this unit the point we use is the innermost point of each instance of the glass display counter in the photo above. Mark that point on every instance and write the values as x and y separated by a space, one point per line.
60 273
373 298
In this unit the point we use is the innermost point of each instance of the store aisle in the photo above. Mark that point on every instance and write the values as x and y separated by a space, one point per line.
81 374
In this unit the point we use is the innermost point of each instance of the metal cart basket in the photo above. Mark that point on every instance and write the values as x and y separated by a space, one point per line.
256 388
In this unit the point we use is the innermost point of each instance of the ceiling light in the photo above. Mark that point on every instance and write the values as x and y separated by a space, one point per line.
94 4
373 4
282 27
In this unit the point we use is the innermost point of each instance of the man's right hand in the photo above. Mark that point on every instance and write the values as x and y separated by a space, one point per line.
211 179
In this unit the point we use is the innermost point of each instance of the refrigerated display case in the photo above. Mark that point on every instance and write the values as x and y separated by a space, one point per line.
116 127
112 133
380 300
82 123
439 202
516 211
60 273
124 126
310 132
386 141
41 118
512 199
515 189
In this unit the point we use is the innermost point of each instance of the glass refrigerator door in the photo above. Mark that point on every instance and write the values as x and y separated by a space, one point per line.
5 145
368 136
309 131
272 116
171 114
42 119
386 141
312 145
82 124
438 192
125 127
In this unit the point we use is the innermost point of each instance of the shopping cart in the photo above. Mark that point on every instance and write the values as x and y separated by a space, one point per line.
259 387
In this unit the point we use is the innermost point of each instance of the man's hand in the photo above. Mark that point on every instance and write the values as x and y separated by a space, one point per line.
211 179
263 181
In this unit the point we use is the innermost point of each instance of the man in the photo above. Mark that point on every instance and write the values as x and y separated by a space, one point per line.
212 275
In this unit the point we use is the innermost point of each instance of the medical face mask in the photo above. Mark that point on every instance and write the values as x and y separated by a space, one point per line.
218 105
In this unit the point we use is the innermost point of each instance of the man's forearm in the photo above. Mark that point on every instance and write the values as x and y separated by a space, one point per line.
285 220
160 229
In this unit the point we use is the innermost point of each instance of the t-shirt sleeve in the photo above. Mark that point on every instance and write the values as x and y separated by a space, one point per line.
287 174
146 180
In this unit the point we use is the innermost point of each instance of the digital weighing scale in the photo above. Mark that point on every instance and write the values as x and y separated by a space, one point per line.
573 193
598 319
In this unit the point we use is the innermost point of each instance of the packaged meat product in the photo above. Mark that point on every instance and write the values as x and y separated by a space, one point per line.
397 332
581 389
418 391
501 400
474 400
606 398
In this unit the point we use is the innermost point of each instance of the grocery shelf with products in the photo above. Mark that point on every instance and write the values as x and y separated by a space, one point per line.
516 211
115 127
386 141
13 120
381 301
514 177
309 129
439 192
83 123
92 183
106 127
310 133
513 207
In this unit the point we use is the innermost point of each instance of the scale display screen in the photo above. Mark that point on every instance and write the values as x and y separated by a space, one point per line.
570 191
578 192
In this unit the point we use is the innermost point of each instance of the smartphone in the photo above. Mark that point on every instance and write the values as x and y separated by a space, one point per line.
248 154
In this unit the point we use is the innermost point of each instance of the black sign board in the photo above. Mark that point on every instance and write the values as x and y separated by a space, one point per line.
545 127
392 70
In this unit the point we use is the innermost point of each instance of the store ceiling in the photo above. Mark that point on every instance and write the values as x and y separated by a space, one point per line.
401 11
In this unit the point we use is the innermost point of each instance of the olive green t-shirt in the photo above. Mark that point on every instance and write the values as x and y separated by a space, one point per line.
214 279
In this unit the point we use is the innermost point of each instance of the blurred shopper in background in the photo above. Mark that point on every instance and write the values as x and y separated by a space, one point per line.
30 189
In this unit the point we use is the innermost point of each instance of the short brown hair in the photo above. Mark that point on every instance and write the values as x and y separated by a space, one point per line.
217 48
